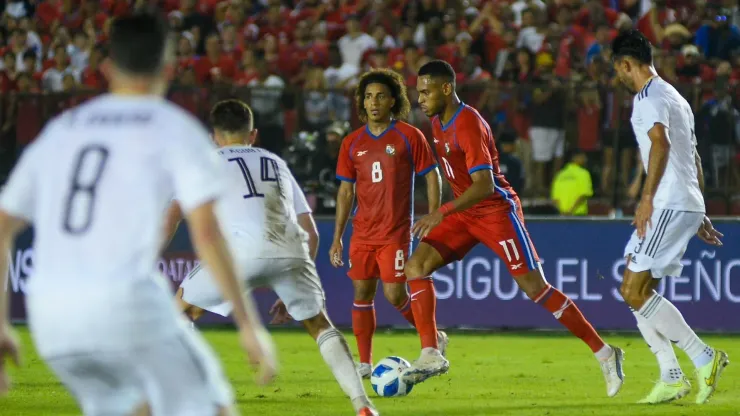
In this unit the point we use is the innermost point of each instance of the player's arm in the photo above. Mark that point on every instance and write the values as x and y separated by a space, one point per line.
426 166
658 160
172 221
346 173
699 171
434 189
305 218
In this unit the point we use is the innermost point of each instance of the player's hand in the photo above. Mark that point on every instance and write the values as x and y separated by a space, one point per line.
643 216
422 227
708 234
280 313
8 348
335 254
261 353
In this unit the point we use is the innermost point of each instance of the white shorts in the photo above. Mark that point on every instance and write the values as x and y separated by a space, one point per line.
293 279
117 346
547 143
664 244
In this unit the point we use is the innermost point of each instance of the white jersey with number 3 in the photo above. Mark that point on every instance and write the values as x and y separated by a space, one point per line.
262 206
659 102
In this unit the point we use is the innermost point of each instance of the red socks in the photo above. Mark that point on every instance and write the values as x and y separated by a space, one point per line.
406 311
363 325
423 301
568 314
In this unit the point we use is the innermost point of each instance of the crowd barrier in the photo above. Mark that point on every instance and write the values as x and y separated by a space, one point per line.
583 258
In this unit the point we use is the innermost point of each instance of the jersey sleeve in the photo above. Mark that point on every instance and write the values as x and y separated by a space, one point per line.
299 198
422 154
473 140
17 198
196 174
653 111
345 169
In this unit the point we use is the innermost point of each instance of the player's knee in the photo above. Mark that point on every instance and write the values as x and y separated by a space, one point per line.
396 294
632 294
317 324
365 290
416 267
532 283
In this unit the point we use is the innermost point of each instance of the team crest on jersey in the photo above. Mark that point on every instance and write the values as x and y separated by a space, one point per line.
447 148
390 149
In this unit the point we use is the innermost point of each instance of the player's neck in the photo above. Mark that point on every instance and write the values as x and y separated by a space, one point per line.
378 127
451 109
644 76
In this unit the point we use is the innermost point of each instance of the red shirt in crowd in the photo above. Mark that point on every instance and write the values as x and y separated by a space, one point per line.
205 68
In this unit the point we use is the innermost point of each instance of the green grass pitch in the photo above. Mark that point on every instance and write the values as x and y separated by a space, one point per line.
543 374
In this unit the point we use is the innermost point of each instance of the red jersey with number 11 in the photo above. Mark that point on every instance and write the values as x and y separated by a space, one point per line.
383 168
465 145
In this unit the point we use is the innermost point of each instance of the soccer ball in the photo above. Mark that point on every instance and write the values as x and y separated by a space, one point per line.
386 377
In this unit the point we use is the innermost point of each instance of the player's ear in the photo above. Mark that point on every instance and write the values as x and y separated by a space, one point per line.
106 68
252 138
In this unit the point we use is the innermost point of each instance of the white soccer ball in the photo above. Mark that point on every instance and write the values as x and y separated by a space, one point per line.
386 377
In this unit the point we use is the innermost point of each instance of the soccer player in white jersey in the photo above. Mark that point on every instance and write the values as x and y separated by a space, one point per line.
273 235
95 185
671 210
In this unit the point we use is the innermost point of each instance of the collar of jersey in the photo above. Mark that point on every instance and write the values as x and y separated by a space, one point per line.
454 116
387 129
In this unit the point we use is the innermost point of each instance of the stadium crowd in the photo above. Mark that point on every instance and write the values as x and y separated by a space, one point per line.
539 72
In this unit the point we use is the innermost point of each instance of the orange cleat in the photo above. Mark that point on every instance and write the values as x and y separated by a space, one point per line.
368 411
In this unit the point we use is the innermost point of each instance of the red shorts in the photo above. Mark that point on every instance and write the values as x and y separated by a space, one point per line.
372 261
504 233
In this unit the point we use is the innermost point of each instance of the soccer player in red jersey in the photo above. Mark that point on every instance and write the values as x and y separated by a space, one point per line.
485 210
378 163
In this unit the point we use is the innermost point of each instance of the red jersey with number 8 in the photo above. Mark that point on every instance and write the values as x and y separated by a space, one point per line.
382 168
464 146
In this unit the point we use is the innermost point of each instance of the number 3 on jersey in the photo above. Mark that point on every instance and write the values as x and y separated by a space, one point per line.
377 172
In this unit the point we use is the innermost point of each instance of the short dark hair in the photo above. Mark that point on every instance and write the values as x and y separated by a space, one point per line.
138 43
438 69
231 116
395 83
632 44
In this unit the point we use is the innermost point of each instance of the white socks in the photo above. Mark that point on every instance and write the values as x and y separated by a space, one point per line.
661 315
336 353
670 370
604 353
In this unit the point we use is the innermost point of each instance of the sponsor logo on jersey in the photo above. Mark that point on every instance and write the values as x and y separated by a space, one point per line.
390 149
361 152
399 274
516 266
435 140
447 148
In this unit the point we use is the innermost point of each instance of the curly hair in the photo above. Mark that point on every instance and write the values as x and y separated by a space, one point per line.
395 83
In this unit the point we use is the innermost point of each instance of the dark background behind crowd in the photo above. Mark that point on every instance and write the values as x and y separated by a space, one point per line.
538 71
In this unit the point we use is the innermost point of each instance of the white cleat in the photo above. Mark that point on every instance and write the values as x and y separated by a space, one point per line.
443 341
613 371
364 370
430 364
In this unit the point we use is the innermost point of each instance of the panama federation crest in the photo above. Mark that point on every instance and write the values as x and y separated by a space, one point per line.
390 149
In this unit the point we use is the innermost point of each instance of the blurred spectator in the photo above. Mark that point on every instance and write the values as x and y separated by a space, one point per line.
91 77
53 78
248 69
316 101
30 63
19 8
717 38
354 44
79 51
195 22
601 44
653 23
547 130
519 6
588 111
266 101
509 163
534 30
572 187
675 36
215 66
340 78
693 70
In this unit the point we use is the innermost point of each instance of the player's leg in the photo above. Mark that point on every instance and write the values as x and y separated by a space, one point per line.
103 383
673 384
445 243
182 377
656 256
198 292
364 274
392 261
191 311
300 289
507 236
